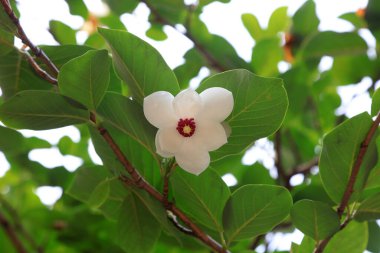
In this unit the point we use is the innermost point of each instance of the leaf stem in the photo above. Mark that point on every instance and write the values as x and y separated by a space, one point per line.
351 182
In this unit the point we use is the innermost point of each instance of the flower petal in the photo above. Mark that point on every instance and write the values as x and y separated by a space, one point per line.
159 149
187 104
170 141
217 103
212 135
193 158
158 109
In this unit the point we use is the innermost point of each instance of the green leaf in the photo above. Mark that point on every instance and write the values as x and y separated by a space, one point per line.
315 219
201 197
86 181
62 33
353 238
138 230
369 209
373 237
78 7
259 108
10 140
156 32
307 245
6 42
139 64
266 54
372 15
255 209
85 78
375 107
39 110
352 17
16 74
252 25
121 7
279 21
305 20
339 152
334 44
127 116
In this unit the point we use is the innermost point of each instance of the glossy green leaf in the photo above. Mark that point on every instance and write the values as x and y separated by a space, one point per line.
339 152
40 110
62 33
17 75
259 108
375 107
139 64
138 230
353 238
305 19
266 54
372 15
307 245
86 181
194 196
127 116
85 79
6 42
334 44
315 219
255 209
369 209
252 25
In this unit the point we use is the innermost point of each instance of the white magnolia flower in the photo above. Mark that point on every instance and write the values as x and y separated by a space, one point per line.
189 125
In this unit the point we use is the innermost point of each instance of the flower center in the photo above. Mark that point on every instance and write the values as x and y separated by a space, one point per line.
186 127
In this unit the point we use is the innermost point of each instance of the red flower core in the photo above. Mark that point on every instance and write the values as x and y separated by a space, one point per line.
186 127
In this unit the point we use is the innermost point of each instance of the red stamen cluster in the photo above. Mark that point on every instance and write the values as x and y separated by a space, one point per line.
186 127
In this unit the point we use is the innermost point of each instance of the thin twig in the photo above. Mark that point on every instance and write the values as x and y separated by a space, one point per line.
256 242
8 229
42 73
304 168
210 58
351 182
21 34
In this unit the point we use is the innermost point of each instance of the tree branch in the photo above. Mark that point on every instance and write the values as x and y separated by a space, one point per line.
21 34
304 168
351 182
8 229
210 58
42 73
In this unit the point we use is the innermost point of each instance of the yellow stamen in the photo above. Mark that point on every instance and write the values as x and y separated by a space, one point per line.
187 129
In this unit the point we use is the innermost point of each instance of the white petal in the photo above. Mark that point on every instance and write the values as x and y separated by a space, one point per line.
187 104
192 158
159 149
217 103
211 134
158 109
170 141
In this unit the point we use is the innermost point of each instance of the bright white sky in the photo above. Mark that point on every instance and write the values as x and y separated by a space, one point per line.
221 19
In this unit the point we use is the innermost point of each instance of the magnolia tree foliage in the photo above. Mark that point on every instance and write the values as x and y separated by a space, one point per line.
143 198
